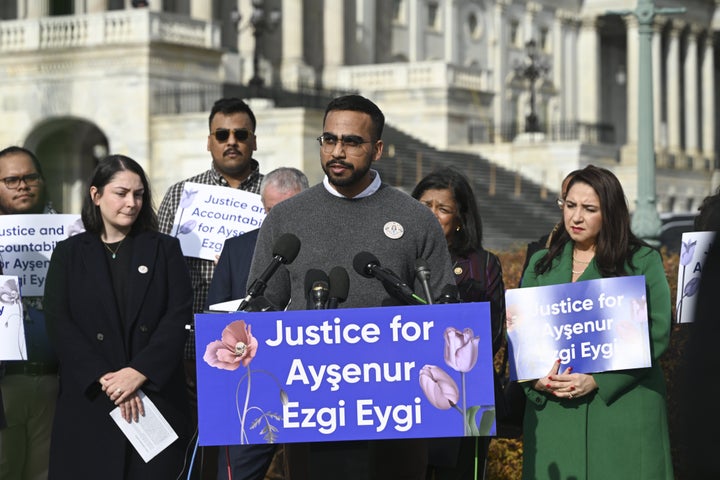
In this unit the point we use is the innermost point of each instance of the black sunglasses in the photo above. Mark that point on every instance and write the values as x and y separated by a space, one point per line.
241 134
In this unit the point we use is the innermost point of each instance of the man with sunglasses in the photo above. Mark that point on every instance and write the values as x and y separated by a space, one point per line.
29 387
353 211
231 142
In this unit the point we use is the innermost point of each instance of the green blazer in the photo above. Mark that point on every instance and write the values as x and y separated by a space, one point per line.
620 431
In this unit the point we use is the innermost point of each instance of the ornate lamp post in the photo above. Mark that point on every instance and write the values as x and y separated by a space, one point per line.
532 69
262 21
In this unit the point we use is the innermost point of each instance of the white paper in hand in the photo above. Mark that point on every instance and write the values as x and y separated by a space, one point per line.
151 434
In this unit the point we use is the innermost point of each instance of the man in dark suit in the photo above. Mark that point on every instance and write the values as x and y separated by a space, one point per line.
229 282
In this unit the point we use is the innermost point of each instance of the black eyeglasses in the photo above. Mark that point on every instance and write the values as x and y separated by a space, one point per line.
30 180
241 134
351 143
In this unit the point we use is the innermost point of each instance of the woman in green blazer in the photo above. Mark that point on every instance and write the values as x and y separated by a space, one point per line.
611 424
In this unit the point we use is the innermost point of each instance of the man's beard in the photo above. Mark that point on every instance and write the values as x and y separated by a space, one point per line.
355 173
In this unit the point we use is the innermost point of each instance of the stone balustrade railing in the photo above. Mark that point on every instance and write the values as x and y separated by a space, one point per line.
107 28
402 76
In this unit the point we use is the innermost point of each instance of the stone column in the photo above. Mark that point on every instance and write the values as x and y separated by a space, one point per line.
499 63
450 26
672 92
570 49
201 10
708 98
416 27
589 64
333 43
333 32
531 11
33 8
690 94
558 63
633 59
292 31
293 70
245 40
90 6
657 80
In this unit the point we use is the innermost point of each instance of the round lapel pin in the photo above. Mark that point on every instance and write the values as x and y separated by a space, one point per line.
393 230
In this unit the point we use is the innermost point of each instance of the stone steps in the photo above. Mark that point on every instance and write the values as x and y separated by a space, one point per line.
513 213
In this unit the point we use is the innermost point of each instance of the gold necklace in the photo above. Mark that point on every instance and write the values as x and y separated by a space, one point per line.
114 252
580 261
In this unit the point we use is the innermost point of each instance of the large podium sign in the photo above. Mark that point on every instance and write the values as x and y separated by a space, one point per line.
346 374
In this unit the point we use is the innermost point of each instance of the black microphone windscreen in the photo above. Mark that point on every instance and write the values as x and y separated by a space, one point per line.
361 262
314 275
449 294
339 284
287 247
421 266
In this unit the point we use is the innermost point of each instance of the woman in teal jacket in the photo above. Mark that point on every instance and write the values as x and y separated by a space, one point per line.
611 424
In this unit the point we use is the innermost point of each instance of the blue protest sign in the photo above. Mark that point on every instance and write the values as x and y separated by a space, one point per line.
593 326
347 374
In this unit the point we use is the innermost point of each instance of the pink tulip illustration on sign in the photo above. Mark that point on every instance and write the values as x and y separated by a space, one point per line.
186 199
461 349
238 348
441 390
10 296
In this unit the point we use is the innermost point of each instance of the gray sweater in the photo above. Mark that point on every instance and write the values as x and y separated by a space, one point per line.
333 230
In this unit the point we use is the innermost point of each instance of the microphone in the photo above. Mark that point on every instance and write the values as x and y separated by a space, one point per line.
317 288
367 265
285 250
422 270
260 304
339 287
448 294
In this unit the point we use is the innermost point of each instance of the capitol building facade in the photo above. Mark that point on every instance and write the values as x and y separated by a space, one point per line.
536 88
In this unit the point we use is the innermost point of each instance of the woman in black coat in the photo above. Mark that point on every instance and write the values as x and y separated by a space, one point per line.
117 300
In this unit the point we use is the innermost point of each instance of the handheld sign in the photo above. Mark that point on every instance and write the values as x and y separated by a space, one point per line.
209 214
593 326
27 243
346 374
693 252
12 329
